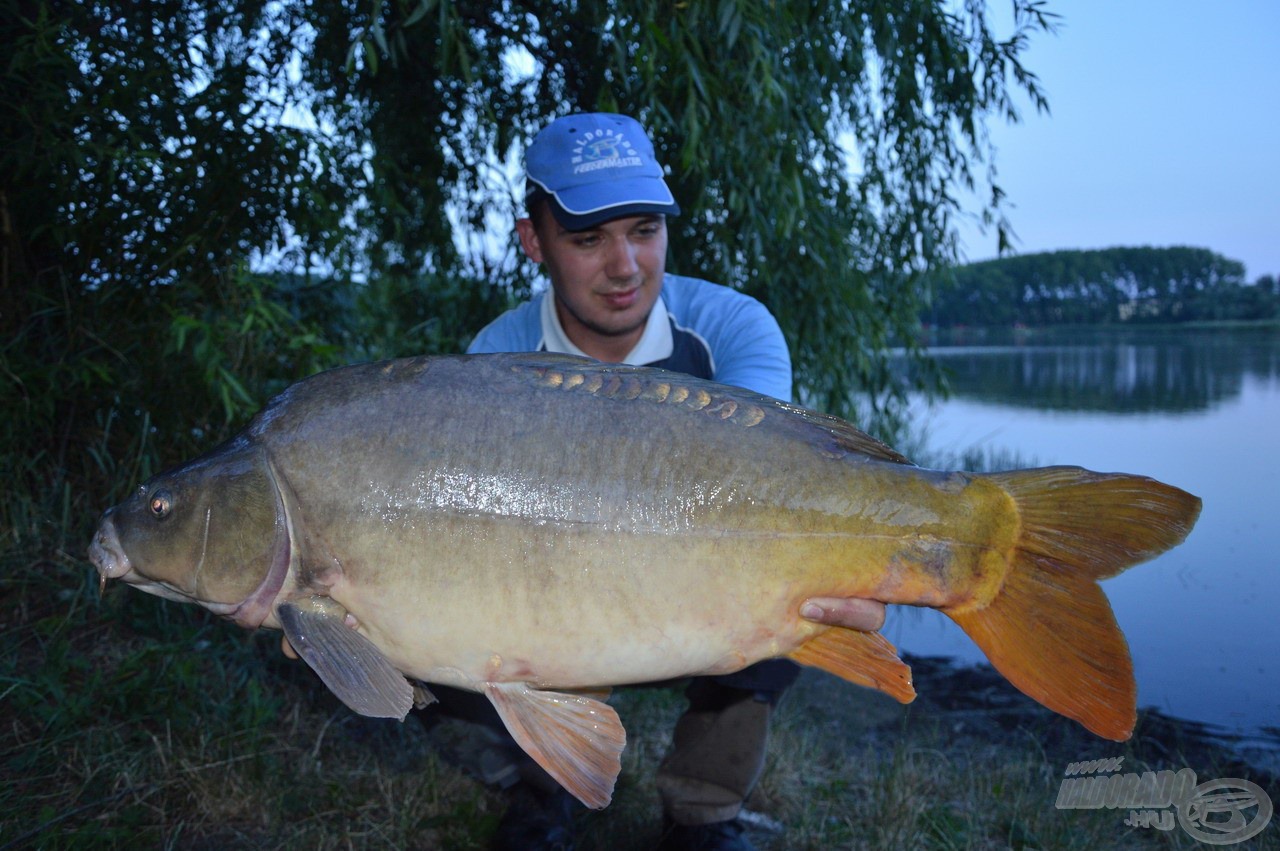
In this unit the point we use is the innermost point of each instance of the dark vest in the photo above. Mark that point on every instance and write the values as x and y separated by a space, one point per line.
689 354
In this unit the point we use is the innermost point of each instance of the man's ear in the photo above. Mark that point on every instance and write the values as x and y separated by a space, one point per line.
529 239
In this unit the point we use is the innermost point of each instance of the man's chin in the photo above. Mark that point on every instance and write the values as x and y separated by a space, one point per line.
617 329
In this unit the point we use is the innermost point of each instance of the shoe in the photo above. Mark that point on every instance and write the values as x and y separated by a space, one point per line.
535 821
717 836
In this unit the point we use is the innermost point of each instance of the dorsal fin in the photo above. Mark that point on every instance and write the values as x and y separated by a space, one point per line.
845 436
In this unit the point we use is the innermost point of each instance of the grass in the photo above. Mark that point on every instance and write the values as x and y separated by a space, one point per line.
131 722
134 727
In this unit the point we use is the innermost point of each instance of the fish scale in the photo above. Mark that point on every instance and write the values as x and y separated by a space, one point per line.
649 389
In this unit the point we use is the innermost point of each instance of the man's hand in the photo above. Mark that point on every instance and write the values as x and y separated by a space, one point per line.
287 649
851 612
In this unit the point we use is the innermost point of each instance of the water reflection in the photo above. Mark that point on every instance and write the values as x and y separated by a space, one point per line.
1199 619
1121 372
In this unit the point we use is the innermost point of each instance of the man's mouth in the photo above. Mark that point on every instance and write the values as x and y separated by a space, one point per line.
621 300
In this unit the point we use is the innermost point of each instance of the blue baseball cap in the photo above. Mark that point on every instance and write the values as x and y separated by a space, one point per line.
596 167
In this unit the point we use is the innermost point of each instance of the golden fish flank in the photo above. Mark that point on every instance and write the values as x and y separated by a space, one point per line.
539 527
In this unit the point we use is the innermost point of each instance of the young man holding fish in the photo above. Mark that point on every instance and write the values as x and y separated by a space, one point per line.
492 537
597 208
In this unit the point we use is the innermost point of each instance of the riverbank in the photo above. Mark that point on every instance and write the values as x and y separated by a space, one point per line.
971 763
129 722
975 763
121 732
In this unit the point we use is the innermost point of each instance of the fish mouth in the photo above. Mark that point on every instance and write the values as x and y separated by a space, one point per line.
106 554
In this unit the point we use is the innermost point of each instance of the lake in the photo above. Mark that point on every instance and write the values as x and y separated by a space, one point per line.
1199 409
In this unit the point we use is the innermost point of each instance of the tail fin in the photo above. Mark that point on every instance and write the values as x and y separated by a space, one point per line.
1050 629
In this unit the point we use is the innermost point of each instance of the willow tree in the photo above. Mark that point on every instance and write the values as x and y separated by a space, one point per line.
152 152
820 151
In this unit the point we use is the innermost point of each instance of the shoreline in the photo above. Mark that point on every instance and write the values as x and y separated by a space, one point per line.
976 703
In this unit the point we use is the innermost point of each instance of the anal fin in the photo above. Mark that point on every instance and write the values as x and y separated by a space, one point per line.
351 665
864 658
578 740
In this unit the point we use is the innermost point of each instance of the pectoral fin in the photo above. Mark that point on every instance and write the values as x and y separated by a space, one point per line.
577 739
349 664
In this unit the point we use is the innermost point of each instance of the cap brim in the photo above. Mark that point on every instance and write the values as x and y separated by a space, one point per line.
569 221
581 207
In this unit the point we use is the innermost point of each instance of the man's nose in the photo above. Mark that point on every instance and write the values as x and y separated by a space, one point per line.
622 260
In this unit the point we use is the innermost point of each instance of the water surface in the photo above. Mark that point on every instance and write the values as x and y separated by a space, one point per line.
1197 409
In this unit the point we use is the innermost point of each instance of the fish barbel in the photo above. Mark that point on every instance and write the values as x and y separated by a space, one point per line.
536 527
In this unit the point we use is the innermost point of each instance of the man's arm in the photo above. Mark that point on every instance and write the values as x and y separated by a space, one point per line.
517 330
751 351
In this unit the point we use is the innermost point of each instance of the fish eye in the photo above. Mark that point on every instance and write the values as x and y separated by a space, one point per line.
161 503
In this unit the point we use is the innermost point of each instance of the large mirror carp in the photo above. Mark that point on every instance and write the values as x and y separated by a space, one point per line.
540 527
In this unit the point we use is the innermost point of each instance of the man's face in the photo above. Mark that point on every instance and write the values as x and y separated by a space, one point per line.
606 279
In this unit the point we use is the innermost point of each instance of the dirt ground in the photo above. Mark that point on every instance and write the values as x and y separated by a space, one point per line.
974 704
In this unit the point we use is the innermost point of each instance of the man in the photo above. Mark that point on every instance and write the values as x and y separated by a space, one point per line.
597 209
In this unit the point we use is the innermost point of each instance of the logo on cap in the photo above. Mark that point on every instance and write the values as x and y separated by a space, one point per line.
603 149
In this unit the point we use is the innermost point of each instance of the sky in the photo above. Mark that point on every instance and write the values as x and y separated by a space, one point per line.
1164 129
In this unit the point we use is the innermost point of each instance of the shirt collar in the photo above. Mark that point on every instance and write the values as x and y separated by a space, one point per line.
655 342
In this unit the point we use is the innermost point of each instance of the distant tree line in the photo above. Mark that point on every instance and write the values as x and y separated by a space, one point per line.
1114 285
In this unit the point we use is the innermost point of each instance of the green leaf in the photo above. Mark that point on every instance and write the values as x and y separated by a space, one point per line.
423 8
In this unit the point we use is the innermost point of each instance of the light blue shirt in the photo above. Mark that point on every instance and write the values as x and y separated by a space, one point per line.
742 342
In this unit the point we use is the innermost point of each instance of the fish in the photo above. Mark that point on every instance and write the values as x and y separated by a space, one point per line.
541 528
